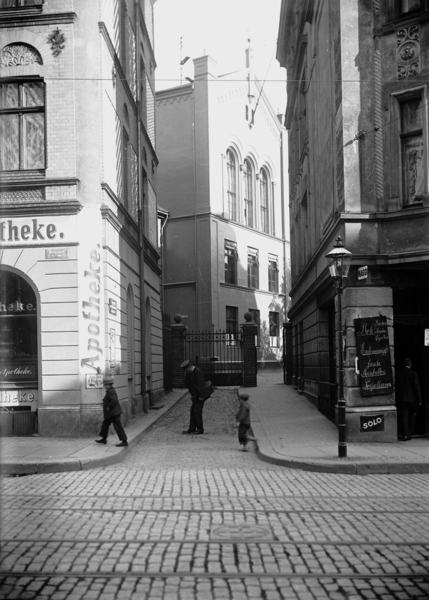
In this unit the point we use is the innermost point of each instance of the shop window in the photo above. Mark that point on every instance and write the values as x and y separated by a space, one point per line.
18 332
253 268
412 148
22 125
230 262
274 330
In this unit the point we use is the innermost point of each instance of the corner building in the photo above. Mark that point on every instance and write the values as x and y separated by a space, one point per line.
357 121
220 179
80 264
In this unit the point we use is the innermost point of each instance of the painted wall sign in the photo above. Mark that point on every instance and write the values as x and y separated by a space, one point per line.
91 312
35 230
9 398
373 351
56 253
372 423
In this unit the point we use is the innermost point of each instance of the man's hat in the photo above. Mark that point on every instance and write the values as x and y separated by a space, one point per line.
108 378
244 396
185 364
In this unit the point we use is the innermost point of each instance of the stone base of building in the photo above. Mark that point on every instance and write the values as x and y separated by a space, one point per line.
371 424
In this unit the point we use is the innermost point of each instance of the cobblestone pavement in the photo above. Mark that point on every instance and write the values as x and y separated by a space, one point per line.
192 517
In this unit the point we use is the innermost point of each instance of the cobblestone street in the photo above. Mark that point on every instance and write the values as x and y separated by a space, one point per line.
193 517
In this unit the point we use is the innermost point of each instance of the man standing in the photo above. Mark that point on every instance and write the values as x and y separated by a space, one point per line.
112 414
196 385
408 397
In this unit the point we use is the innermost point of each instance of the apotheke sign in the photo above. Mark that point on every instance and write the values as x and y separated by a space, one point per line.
35 230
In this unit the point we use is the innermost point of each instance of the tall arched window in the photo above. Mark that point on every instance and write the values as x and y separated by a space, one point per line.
265 191
248 193
231 166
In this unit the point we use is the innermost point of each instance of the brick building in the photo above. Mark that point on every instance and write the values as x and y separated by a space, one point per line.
80 272
220 179
357 120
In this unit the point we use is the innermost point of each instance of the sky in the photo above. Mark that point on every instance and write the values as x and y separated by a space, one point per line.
220 28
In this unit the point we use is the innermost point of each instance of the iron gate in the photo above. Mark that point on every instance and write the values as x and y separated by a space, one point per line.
218 354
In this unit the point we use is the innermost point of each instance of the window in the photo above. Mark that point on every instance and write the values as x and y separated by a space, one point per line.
248 193
125 168
253 268
412 149
22 125
274 329
232 323
264 197
231 167
256 316
230 262
407 6
273 274
18 3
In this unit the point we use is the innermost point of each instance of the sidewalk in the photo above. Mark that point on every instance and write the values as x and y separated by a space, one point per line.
289 431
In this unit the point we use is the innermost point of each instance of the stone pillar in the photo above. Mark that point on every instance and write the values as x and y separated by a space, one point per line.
362 303
178 331
250 368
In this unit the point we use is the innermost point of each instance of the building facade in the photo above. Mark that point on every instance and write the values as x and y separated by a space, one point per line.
357 121
220 179
80 269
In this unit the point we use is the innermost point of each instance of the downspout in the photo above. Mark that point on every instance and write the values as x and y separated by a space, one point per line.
141 212
282 196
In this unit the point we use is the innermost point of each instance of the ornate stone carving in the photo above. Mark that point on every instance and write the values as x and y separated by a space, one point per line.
15 55
57 40
408 51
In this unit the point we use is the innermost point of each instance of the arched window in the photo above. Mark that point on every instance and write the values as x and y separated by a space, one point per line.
231 166
248 193
264 183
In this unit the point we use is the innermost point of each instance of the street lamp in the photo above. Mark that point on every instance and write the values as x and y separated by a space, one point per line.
339 269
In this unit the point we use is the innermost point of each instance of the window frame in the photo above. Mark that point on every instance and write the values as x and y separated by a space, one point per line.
264 199
230 259
253 268
21 111
249 193
273 282
232 185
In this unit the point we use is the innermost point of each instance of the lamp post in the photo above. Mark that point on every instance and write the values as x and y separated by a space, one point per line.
339 269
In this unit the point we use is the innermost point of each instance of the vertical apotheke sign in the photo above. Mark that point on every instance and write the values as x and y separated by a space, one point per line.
372 340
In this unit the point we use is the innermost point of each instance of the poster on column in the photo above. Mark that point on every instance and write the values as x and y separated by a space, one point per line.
372 340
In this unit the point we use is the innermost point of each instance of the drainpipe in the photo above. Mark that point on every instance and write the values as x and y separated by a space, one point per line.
141 213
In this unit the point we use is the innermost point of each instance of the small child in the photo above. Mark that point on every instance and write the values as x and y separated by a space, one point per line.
243 421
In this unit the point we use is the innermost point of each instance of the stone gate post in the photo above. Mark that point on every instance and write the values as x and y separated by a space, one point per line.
178 331
250 368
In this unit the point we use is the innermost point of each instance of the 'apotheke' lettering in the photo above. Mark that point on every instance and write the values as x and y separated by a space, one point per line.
34 231
91 312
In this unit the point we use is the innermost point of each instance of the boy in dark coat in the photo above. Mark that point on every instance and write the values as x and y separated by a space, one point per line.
243 421
196 384
112 414
408 397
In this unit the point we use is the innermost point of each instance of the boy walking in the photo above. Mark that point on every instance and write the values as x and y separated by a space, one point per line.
243 421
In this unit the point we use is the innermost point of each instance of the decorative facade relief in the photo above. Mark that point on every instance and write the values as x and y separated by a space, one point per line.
408 51
15 55
56 39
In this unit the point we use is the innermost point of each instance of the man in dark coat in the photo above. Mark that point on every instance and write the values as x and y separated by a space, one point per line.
408 397
196 385
112 414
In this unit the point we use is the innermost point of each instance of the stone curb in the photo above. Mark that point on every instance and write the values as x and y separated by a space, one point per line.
28 467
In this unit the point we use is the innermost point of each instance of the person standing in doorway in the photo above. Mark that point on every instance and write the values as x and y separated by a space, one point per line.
408 398
196 384
112 414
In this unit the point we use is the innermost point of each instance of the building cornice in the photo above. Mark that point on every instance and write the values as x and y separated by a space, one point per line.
69 207
32 17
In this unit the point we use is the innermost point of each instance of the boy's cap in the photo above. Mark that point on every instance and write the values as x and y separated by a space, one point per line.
108 379
244 396
185 364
